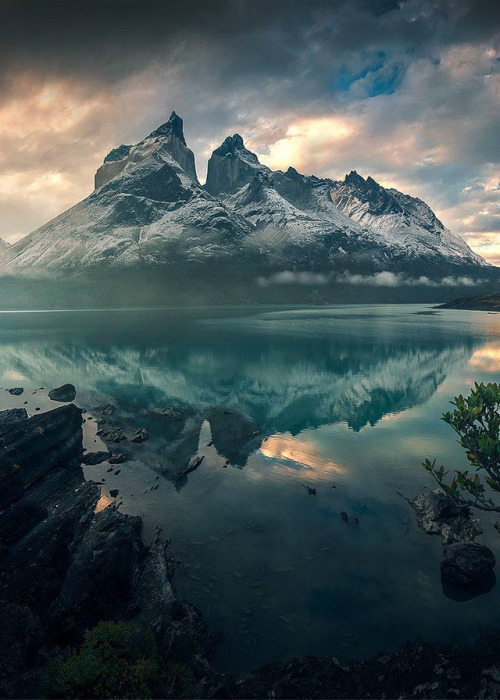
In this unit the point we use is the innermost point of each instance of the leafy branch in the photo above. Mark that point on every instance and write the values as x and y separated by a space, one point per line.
476 420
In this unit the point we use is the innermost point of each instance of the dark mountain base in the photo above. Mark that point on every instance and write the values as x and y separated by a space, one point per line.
220 283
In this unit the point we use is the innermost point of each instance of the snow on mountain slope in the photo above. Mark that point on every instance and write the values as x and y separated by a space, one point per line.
356 218
148 208
295 220
400 221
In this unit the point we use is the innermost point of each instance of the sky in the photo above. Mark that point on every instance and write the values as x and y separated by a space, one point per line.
407 91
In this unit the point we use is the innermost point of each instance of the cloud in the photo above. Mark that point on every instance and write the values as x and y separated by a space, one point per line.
289 277
391 279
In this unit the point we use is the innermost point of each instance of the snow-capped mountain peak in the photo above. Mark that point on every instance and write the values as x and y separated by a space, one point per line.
400 221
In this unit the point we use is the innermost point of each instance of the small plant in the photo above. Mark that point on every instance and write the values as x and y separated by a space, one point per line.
114 661
476 420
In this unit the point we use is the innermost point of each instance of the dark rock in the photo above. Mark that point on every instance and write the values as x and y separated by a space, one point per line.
466 562
92 458
31 447
66 392
310 490
16 391
438 514
114 493
13 414
344 516
140 435
106 410
110 433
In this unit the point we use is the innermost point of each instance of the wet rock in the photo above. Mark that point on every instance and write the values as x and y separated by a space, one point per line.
466 562
66 392
30 447
16 391
117 457
13 414
310 490
110 433
106 410
92 458
114 493
140 435
438 514
194 464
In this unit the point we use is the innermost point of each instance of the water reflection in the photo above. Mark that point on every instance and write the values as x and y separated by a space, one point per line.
345 397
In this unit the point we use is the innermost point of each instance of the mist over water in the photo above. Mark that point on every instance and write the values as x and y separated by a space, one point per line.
341 396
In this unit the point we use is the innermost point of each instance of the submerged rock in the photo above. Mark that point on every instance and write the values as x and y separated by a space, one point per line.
466 562
16 391
438 514
106 410
194 464
168 412
117 457
66 392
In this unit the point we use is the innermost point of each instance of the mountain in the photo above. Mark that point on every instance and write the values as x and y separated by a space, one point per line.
246 230
3 244
148 207
402 222
354 219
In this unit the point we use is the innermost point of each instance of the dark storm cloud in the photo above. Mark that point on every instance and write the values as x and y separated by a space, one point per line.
405 90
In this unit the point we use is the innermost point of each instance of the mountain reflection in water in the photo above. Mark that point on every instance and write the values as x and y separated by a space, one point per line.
344 397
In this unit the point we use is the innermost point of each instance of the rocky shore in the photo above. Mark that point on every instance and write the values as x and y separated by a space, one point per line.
68 563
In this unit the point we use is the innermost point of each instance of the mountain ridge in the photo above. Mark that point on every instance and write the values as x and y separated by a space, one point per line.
246 223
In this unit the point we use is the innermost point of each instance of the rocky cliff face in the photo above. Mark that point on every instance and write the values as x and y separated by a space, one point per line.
148 208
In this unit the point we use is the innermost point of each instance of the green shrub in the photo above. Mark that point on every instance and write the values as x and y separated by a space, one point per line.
476 420
114 661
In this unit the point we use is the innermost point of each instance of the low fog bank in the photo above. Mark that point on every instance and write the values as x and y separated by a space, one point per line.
216 285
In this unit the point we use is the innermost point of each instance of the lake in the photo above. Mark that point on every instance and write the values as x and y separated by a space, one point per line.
346 400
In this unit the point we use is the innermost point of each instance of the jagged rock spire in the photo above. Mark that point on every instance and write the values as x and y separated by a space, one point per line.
173 127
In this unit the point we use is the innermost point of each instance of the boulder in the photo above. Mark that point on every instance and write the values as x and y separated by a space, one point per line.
16 391
64 393
438 514
466 562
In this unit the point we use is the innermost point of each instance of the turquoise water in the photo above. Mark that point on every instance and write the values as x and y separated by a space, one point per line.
342 396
